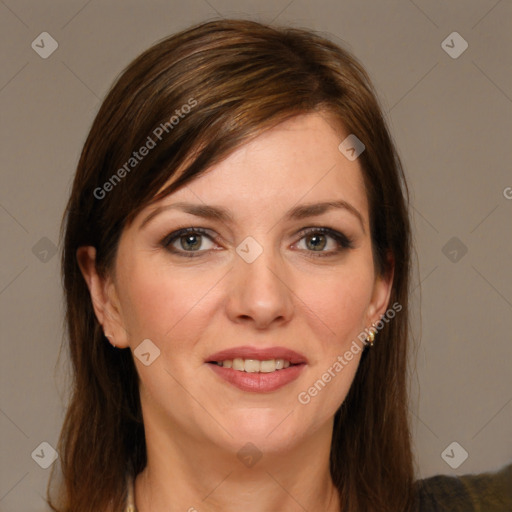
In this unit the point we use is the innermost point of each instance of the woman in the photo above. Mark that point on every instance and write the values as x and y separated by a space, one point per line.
238 222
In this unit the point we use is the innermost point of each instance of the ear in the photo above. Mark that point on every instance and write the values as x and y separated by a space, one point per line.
381 293
104 297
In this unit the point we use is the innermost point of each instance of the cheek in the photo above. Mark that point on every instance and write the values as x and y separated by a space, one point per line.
339 302
339 318
157 300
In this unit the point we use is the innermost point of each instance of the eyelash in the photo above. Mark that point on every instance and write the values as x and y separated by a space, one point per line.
343 241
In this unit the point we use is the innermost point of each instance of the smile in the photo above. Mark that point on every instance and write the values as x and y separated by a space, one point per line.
255 378
254 365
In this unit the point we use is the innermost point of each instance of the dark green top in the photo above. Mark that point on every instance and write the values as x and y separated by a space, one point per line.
484 492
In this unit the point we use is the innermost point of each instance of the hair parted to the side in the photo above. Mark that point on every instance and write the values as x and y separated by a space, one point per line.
244 78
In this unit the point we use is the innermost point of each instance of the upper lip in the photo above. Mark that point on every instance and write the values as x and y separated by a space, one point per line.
261 354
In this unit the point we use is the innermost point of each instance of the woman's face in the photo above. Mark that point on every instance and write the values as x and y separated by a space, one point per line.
277 264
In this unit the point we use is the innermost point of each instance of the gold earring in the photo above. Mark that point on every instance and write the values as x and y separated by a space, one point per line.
371 336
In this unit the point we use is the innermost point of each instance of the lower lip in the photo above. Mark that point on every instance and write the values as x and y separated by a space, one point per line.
258 382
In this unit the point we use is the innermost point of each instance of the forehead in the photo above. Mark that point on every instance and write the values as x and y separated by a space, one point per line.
297 161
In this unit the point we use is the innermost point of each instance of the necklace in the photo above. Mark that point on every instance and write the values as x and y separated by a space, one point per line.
130 499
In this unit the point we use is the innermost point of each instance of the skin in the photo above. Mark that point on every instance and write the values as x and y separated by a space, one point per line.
189 308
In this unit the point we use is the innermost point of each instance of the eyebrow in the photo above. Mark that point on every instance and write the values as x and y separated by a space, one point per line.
223 215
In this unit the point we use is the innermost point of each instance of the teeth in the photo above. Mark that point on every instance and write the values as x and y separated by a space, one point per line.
268 366
254 365
238 364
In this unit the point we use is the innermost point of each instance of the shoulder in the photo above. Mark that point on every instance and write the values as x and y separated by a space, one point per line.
489 492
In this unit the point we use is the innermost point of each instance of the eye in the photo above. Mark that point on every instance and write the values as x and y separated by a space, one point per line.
188 240
316 241
324 241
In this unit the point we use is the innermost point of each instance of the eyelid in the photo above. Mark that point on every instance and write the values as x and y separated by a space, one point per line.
343 241
341 238
170 237
167 241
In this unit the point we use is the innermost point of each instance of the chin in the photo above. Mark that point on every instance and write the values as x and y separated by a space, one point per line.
269 429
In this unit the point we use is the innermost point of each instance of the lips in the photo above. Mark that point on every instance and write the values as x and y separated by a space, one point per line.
291 365
258 382
260 354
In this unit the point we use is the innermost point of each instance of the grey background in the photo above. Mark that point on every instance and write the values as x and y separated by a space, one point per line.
451 119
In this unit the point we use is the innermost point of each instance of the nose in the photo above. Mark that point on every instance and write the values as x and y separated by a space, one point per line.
260 293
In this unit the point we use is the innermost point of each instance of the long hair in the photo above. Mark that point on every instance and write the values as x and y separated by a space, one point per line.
191 100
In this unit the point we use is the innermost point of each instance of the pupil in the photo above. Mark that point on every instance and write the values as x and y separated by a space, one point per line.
190 241
317 242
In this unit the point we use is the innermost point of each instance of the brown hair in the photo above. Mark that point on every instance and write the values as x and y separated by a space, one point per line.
239 78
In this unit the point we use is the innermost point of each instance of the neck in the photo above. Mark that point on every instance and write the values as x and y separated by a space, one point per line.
183 474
